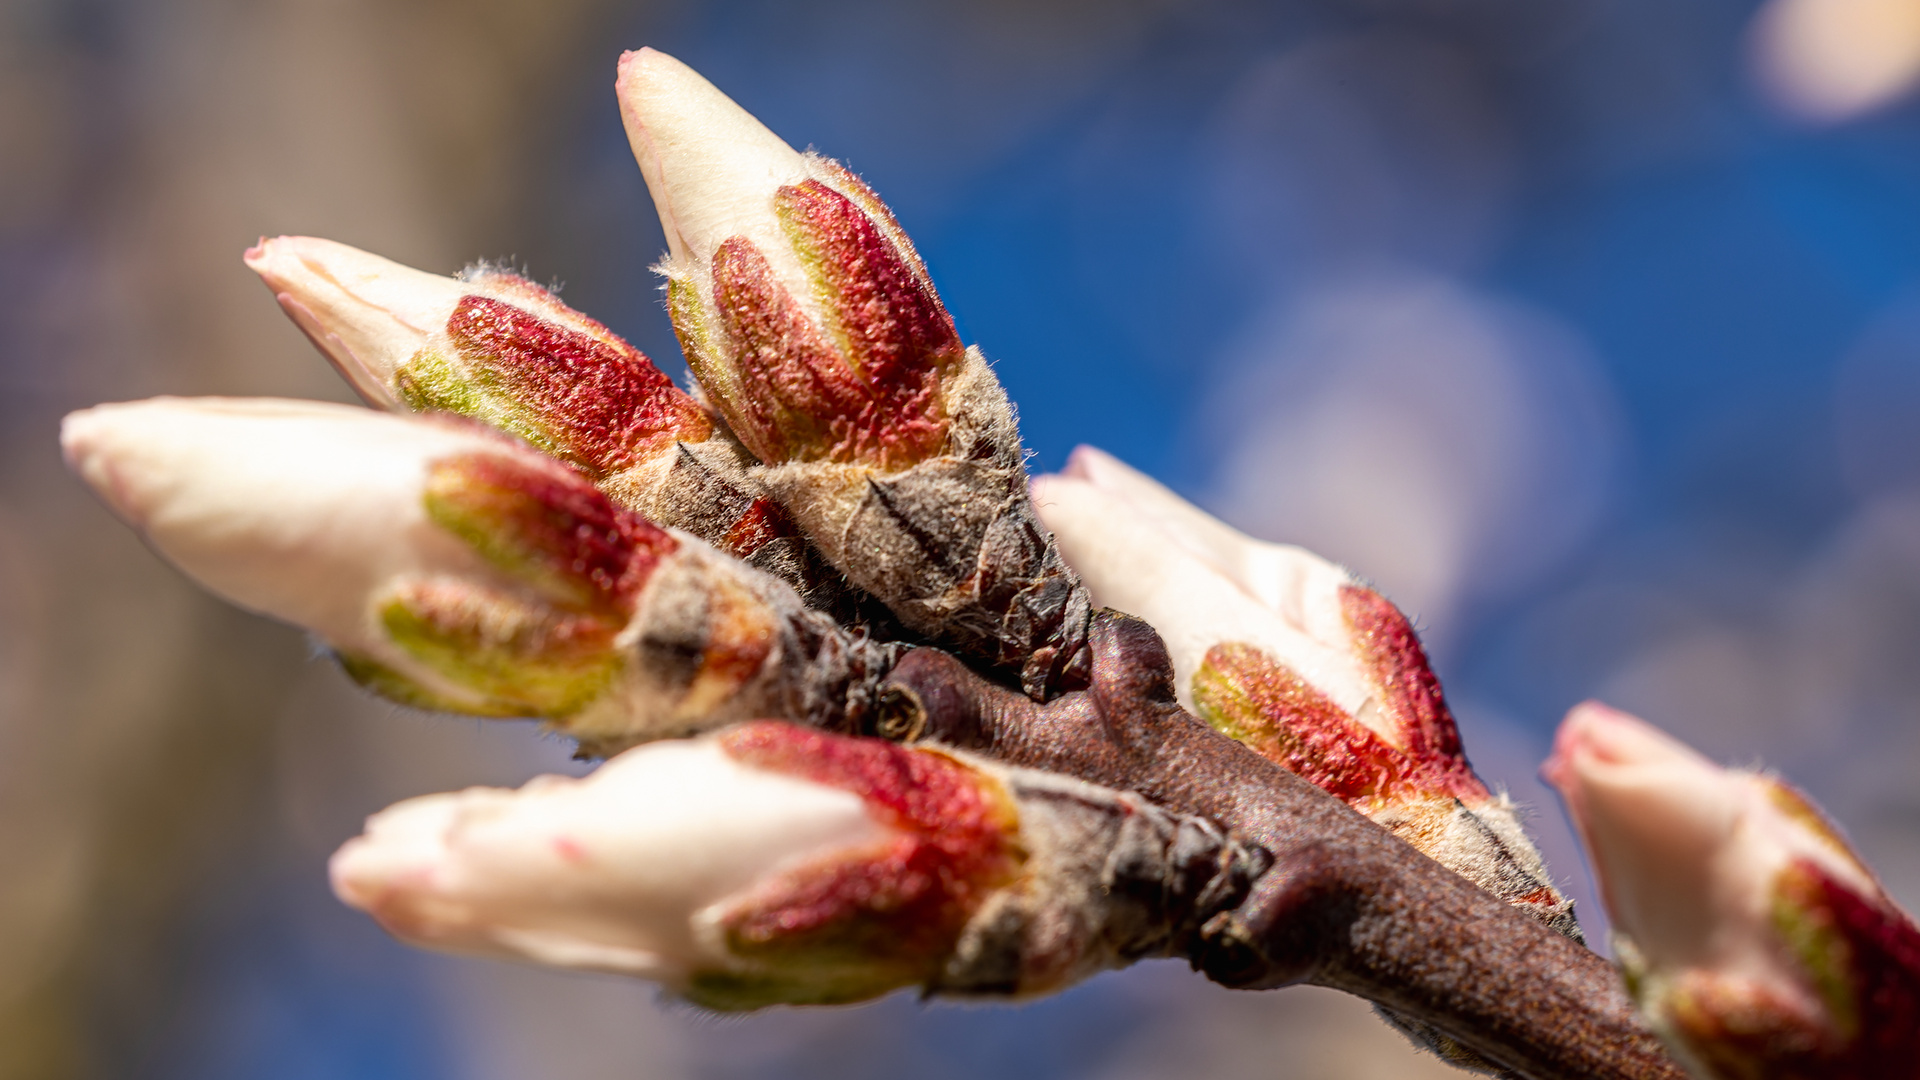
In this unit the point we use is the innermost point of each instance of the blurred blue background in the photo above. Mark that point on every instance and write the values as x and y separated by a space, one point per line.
1589 330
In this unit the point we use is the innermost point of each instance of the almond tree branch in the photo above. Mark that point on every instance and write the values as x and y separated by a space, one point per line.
1346 904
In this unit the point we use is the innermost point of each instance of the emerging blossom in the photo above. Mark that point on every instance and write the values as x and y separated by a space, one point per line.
453 568
801 305
811 322
1305 665
489 344
774 864
1754 939
1294 657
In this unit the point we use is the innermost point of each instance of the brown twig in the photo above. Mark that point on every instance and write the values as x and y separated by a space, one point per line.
1346 904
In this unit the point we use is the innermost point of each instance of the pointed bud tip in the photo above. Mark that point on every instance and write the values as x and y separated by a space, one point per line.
1596 735
92 443
314 267
1089 463
366 314
647 76
400 848
131 452
711 167
354 874
635 63
277 259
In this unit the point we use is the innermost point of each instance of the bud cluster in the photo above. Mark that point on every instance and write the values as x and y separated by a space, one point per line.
774 864
452 568
535 521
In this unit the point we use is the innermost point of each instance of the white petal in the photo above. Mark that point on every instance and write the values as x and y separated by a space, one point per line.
367 314
1303 587
711 167
1200 533
1654 815
1128 564
1686 851
299 510
606 872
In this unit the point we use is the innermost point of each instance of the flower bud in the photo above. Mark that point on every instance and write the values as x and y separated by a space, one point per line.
800 304
1292 656
805 312
490 345
605 872
1753 938
774 864
452 568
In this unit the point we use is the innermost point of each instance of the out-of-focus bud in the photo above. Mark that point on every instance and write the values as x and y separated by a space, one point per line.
1755 941
774 864
453 568
805 312
1827 61
494 347
1294 657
